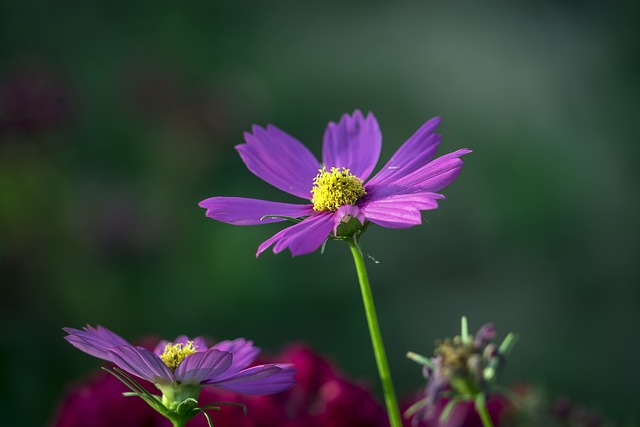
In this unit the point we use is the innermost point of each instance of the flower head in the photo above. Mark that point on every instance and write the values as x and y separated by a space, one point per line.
180 369
464 369
338 190
323 397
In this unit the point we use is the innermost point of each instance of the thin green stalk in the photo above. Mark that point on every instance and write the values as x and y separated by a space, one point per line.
376 338
481 407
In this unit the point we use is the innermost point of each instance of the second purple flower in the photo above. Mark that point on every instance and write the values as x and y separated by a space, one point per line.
338 189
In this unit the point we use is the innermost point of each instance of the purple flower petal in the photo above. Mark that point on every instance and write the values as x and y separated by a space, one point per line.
401 210
353 143
279 159
244 353
94 341
141 362
413 154
259 380
303 237
436 174
433 176
243 211
197 367
485 335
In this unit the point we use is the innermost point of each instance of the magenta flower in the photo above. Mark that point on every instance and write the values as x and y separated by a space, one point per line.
323 397
181 368
338 190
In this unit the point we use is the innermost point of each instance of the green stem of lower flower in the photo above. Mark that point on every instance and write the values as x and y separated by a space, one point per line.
376 337
484 414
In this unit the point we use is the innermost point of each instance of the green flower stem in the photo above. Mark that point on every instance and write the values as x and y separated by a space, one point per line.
376 338
481 407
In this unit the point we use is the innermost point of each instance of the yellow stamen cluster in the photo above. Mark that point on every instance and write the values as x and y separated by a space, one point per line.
455 355
335 188
174 354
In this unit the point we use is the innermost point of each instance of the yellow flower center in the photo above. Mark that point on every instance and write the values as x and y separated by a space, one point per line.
335 188
455 355
174 354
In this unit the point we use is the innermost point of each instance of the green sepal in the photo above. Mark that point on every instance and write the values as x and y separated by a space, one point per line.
137 390
215 407
187 406
209 422
464 330
493 368
349 228
420 359
324 245
448 409
508 343
411 410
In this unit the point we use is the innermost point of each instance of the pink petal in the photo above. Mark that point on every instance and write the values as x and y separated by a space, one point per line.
197 367
303 237
243 211
260 380
244 352
413 154
400 211
279 159
94 341
353 143
434 176
141 362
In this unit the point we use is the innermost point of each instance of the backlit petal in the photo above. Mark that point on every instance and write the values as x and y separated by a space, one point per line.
197 367
400 211
279 159
303 237
413 154
94 341
353 143
141 362
243 211
244 352
260 380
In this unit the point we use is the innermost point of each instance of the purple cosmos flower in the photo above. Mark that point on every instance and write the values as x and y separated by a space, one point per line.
180 368
323 397
339 189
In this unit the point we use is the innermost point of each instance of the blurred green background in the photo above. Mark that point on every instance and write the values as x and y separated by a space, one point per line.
117 118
